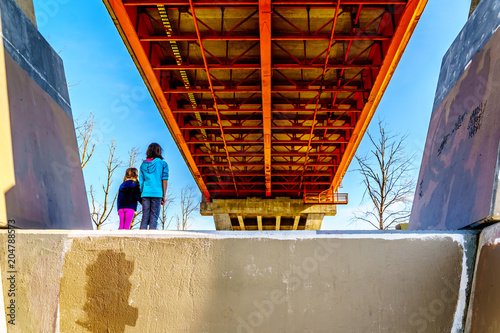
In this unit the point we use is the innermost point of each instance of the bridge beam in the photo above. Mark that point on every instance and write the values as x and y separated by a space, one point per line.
266 73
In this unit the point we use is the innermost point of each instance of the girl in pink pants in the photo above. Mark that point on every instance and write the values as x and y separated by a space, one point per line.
128 196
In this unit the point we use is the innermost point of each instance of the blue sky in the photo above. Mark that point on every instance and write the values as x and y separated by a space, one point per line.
103 79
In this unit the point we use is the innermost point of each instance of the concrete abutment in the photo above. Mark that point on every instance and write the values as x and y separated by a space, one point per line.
280 213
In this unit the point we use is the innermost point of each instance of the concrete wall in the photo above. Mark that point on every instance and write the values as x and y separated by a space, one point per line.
28 9
473 6
238 281
484 309
42 183
458 181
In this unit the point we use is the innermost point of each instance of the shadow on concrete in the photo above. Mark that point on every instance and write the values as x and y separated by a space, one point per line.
108 290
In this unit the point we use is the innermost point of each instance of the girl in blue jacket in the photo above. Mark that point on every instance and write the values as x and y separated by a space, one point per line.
154 181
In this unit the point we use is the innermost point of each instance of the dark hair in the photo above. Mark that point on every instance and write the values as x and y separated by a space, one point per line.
154 150
131 174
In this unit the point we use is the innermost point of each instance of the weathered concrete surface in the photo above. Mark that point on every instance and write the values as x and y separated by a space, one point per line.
38 262
240 282
222 222
281 213
260 206
476 32
473 6
7 180
32 52
314 221
43 185
458 182
484 308
28 9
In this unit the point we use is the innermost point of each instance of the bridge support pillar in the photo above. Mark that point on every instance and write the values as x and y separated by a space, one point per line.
222 222
280 213
458 184
314 221
41 180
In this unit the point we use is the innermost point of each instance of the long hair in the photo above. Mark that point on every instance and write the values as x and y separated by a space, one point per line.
131 174
154 150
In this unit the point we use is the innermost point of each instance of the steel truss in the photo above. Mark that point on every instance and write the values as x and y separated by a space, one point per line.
263 97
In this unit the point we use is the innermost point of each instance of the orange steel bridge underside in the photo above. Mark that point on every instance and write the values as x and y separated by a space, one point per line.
267 98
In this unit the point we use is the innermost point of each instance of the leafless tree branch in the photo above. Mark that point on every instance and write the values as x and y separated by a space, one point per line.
86 140
189 201
133 156
101 212
386 173
164 210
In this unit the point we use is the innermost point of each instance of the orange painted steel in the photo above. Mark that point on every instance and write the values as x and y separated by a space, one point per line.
267 97
265 64
401 38
214 3
216 107
325 198
144 66
325 67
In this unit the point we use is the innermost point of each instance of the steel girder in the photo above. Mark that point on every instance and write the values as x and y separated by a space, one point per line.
263 97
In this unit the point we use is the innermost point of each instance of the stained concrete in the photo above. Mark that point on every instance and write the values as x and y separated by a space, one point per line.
222 222
484 309
49 190
28 9
240 282
32 52
473 6
8 179
458 181
476 32
43 185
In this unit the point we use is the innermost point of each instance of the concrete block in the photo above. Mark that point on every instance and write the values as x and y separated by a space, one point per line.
156 281
484 305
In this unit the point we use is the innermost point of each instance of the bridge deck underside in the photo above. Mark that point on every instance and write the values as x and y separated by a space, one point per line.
265 98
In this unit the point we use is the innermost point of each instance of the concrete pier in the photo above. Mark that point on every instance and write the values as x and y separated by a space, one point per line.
458 183
280 213
41 182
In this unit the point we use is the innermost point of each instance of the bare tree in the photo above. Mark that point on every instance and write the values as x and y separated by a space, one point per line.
165 223
386 172
86 140
189 201
132 153
101 211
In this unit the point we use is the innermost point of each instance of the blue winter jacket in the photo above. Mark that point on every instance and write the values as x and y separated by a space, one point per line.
128 195
151 175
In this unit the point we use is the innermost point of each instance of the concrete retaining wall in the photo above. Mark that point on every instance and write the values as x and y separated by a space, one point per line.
238 282
41 182
484 310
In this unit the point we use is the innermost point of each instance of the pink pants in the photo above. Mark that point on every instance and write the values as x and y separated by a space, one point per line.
126 216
